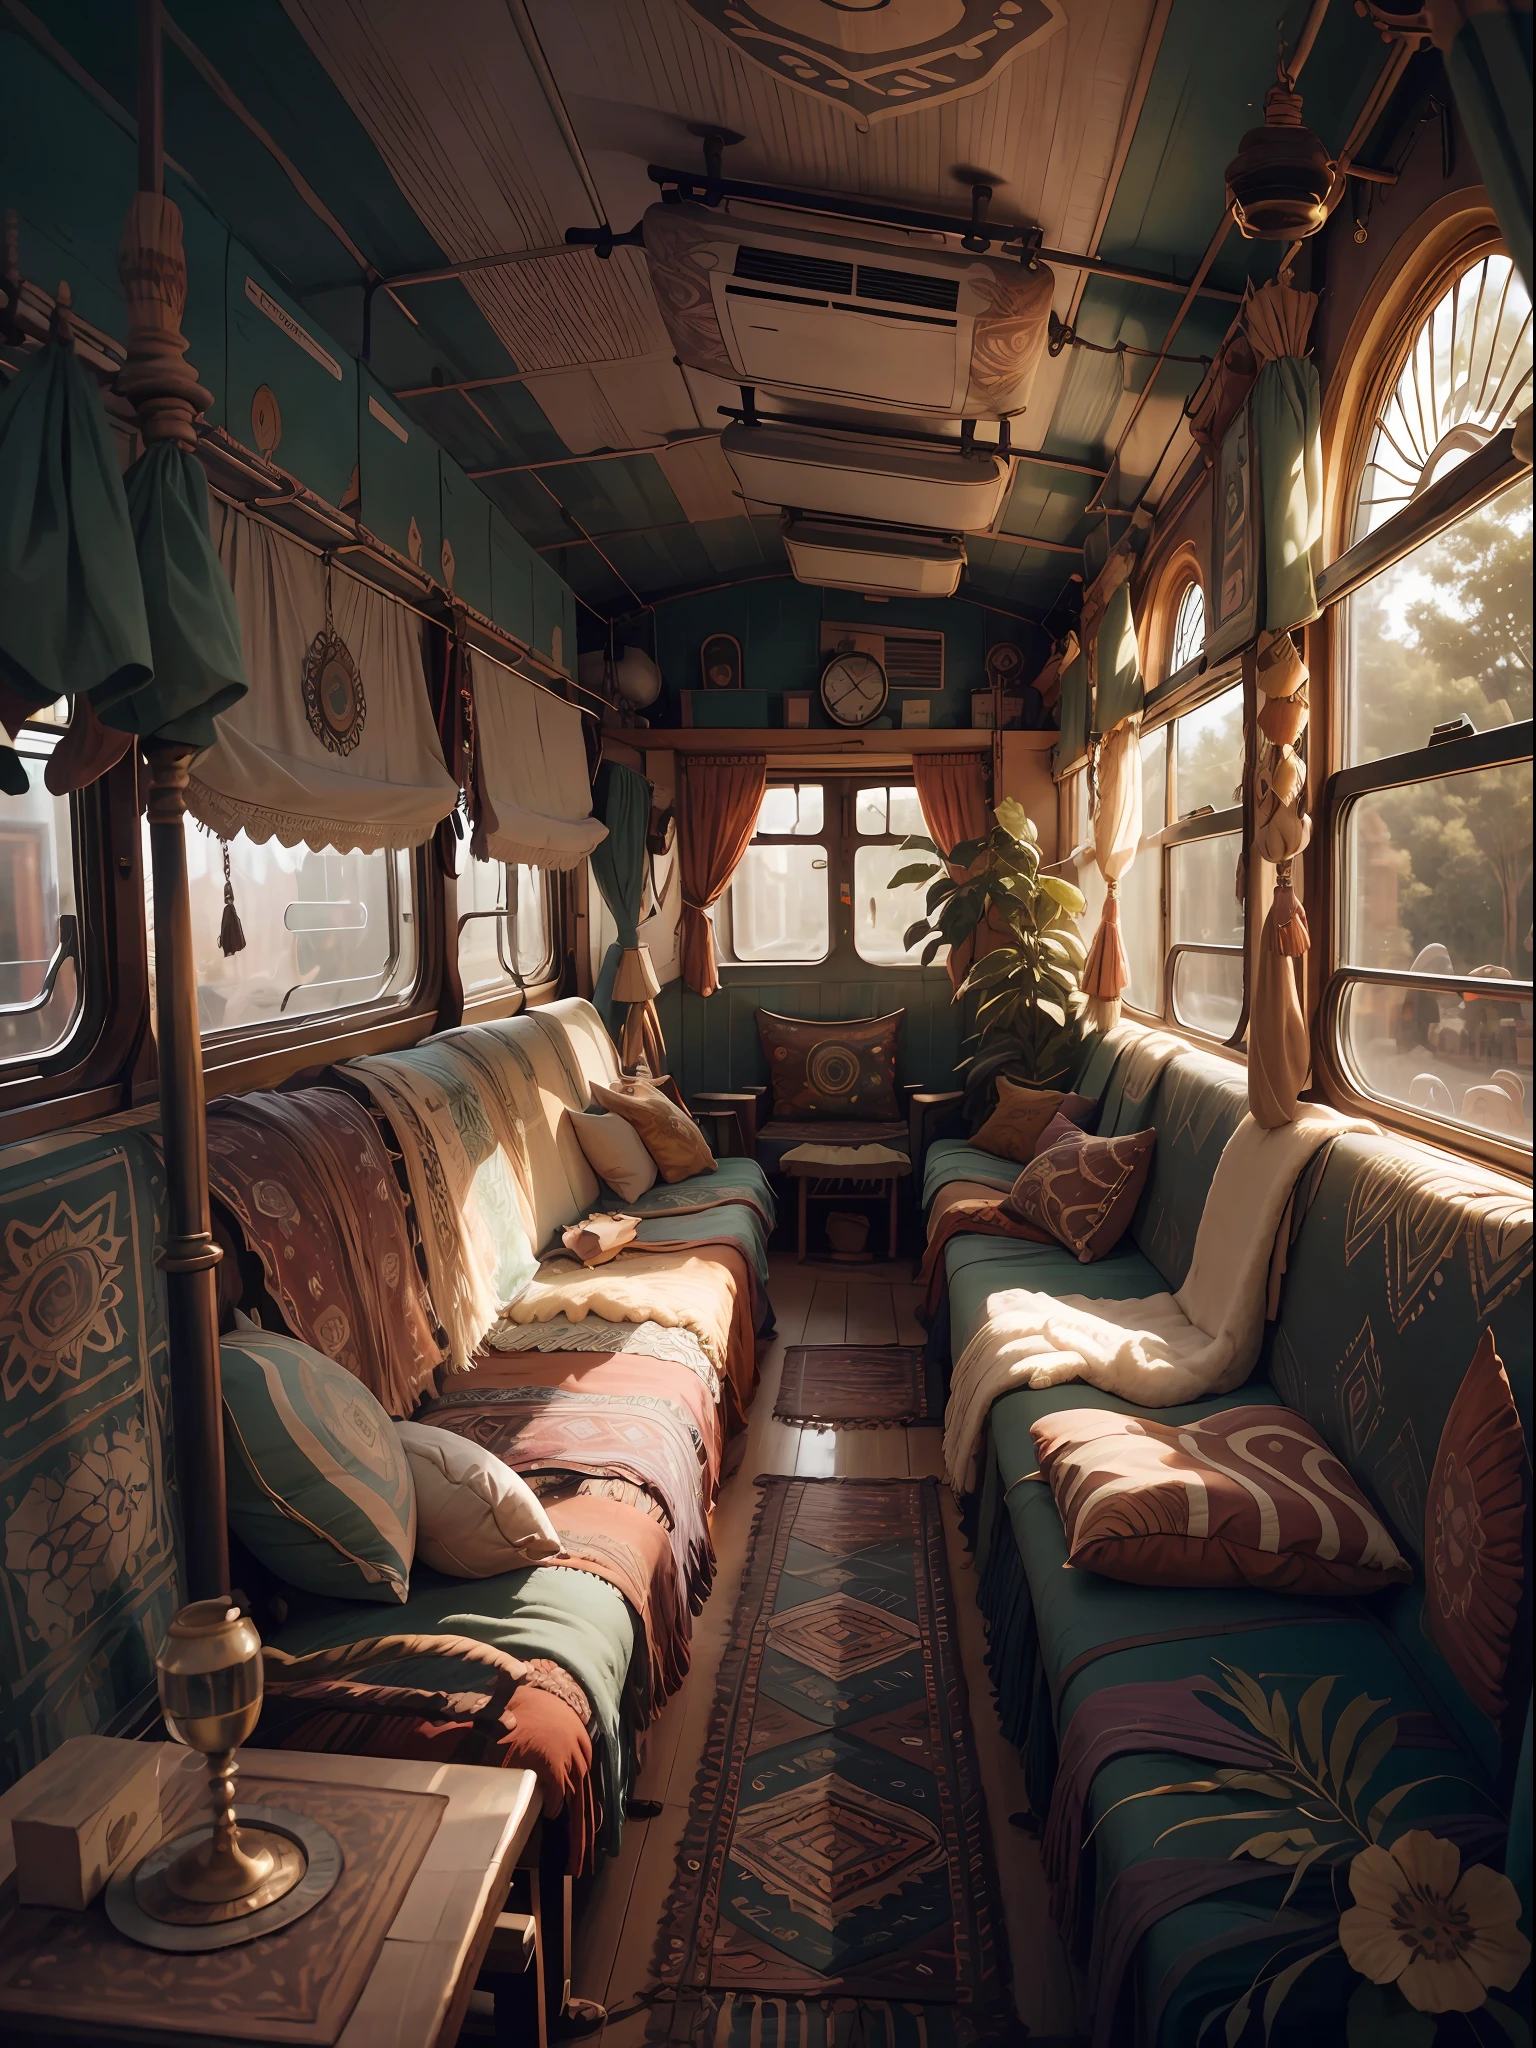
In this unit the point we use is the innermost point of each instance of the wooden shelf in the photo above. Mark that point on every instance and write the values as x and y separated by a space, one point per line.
780 739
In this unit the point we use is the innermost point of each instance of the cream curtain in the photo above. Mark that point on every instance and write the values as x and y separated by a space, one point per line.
334 745
1116 832
1279 1048
533 765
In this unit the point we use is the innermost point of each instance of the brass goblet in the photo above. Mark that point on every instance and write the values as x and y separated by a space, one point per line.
210 1681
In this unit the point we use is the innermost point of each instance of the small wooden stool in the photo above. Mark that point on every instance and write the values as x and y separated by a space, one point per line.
821 1181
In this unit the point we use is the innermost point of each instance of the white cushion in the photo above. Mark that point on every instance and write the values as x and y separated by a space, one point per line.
475 1516
616 1153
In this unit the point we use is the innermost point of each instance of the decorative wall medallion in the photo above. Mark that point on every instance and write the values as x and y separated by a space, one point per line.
879 58
266 420
414 545
333 692
59 1295
1005 660
720 662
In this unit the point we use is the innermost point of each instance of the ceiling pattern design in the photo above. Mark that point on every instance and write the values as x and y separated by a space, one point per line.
435 136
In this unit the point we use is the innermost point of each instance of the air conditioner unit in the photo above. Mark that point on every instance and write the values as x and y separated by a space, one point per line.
856 478
912 656
922 330
879 561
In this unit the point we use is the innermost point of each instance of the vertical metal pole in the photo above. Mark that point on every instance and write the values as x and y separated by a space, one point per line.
190 1257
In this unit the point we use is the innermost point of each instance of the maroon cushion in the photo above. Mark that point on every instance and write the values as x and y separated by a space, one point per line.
1059 1130
1474 1522
1084 1190
845 1070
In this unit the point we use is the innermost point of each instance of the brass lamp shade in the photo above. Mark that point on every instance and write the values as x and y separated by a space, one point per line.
636 980
1281 176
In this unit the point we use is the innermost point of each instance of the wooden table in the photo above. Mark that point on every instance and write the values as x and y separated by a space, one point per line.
418 1991
821 1181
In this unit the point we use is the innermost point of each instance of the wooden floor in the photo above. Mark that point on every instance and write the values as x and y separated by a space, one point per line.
617 1930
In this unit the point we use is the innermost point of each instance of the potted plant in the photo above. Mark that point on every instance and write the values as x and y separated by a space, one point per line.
1029 982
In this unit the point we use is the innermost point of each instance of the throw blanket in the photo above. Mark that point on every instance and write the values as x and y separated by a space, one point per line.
638 1340
1168 1348
307 1178
977 1215
644 1437
735 1226
733 1180
710 1296
439 1170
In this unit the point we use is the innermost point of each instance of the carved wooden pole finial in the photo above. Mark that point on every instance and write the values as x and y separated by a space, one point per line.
159 382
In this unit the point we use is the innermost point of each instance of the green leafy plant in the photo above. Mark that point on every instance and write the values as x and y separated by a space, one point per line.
1029 984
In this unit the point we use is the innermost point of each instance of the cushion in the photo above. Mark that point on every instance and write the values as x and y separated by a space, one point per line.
319 1484
1019 1121
475 1516
837 1070
1060 1128
668 1133
616 1154
1474 1522
1084 1190
1249 1496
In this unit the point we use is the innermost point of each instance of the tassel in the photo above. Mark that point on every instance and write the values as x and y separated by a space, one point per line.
1286 931
1107 970
231 930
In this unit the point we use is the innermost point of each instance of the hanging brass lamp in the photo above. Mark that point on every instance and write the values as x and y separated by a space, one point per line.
1279 180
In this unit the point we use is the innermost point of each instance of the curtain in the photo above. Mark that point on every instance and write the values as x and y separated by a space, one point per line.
335 745
1118 691
1116 831
1074 713
1286 413
533 765
618 868
952 790
718 799
1279 1047
1487 49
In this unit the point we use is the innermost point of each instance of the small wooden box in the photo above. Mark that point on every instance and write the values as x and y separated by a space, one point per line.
797 708
83 1811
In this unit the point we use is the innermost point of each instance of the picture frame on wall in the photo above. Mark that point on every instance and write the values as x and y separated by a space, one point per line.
720 662
1236 542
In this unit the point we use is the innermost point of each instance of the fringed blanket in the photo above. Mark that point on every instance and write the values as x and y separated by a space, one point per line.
644 1437
710 1296
595 1334
443 1699
308 1180
1167 1348
433 1136
734 1226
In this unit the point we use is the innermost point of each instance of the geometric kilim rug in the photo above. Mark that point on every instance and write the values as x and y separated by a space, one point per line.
859 1386
835 1882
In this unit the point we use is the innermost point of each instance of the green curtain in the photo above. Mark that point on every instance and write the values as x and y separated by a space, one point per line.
72 614
1489 67
1074 712
1286 411
622 799
1119 692
194 628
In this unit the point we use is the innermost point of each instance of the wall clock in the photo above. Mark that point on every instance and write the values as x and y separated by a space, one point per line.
853 689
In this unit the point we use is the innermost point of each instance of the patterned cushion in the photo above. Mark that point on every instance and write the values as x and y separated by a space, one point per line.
319 1483
1084 1190
1018 1123
1250 1496
1474 1556
832 1070
87 1506
668 1133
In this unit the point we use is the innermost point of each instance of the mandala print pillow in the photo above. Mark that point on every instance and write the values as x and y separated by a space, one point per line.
832 1070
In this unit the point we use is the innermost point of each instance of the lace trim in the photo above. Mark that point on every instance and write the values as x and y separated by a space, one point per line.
228 815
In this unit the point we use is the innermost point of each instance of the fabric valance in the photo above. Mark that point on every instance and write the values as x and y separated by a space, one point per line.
335 744
536 804
1118 691
1074 714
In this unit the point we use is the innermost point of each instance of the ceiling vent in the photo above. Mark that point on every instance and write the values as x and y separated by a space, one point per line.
877 561
854 477
828 315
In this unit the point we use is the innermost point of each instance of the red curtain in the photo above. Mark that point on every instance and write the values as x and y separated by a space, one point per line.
952 790
719 797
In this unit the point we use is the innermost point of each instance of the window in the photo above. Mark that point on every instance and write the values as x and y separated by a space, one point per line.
504 926
1429 1005
883 819
778 900
40 977
1188 643
324 931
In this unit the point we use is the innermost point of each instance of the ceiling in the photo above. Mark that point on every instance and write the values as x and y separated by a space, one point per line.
416 137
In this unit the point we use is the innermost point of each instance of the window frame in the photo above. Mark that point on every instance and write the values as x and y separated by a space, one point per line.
1458 493
514 984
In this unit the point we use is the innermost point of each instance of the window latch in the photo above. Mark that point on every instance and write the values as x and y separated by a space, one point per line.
1200 811
1458 728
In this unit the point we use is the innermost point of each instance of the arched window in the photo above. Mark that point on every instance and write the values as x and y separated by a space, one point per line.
1466 374
1188 641
1429 1007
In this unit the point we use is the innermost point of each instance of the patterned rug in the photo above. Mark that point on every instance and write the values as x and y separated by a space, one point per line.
835 1882
859 1386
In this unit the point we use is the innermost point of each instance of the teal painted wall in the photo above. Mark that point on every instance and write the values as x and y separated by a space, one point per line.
778 623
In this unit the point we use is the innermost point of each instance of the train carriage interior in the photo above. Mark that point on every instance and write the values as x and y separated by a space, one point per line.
766 1023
